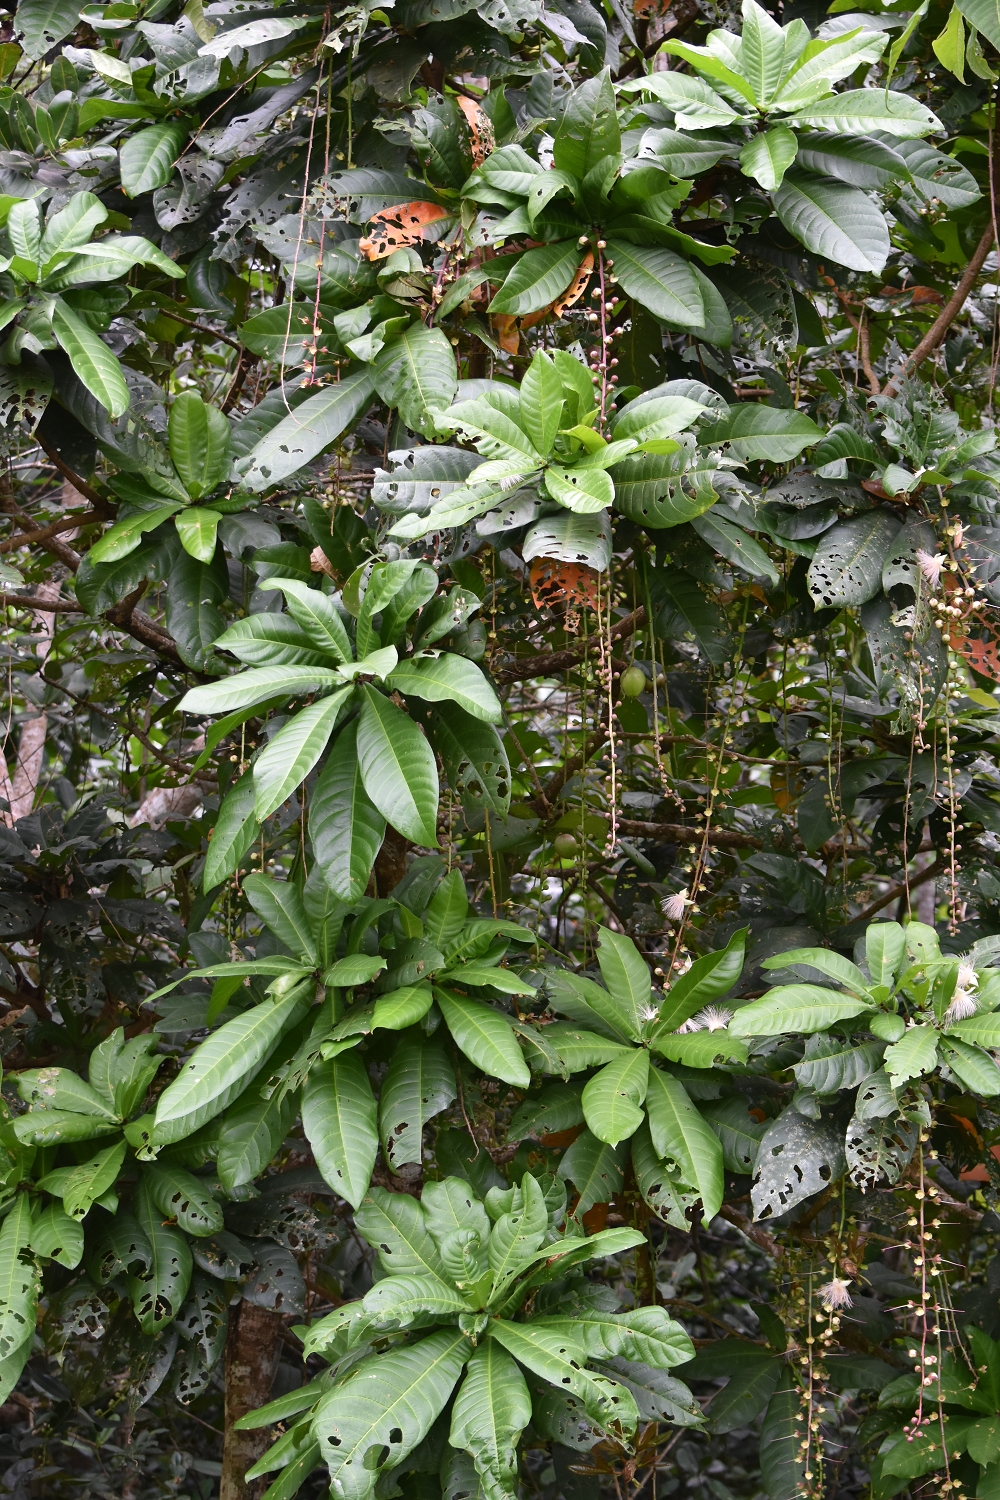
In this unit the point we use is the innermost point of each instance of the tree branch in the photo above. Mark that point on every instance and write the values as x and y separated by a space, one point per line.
558 661
78 483
54 606
71 522
900 890
935 334
680 833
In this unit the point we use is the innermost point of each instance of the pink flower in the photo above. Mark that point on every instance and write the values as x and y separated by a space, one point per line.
673 906
836 1294
931 565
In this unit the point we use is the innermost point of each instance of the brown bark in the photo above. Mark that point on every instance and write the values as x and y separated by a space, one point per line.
936 333
19 789
390 862
252 1347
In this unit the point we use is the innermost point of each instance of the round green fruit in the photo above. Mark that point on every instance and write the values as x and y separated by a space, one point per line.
565 845
634 682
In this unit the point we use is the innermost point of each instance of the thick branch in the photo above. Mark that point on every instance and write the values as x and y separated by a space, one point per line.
900 890
935 334
558 661
760 1237
54 606
680 833
65 523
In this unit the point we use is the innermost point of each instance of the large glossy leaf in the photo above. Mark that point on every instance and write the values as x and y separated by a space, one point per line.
558 1358
339 1119
199 442
56 1236
847 564
626 975
270 639
416 374
912 1056
739 1132
537 278
92 360
834 220
289 757
683 1137
71 226
395 1226
474 757
281 905
491 1410
235 829
252 1131
180 1196
147 158
257 686
485 1036
595 1169
862 162
419 1084
306 431
446 677
766 158
18 1283
659 280
232 1056
797 1157
159 1290
397 768
81 1185
42 23
386 1408
795 1007
612 1098
709 978
345 826
860 111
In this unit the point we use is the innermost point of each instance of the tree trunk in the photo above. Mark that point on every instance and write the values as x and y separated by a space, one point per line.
252 1347
390 862
19 790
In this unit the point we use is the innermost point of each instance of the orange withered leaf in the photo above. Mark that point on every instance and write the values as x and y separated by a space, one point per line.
576 288
404 224
481 133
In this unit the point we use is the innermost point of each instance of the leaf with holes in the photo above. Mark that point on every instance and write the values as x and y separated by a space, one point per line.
797 1158
420 1083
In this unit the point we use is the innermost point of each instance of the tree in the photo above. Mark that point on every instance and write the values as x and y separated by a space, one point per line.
498 904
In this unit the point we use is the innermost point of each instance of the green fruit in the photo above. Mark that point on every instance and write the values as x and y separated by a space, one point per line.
565 845
634 682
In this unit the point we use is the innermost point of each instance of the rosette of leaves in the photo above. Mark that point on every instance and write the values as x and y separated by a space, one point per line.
640 1090
193 469
55 273
816 152
873 1029
480 1323
542 436
349 654
399 965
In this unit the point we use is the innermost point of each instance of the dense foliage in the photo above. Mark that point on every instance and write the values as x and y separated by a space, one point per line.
499 901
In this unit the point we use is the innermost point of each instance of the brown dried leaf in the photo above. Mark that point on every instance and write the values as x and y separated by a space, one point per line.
399 226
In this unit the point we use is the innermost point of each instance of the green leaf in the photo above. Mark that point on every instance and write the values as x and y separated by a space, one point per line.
184 1198
590 1005
490 1411
147 158
767 432
826 961
234 832
193 614
588 131
557 1108
795 1007
416 374
281 906
859 111
829 1063
93 363
289 757
268 639
18 1283
252 1131
694 612
419 1084
198 529
537 278
797 1158
558 1358
518 1234
83 1184
62 1089
446 677
306 431
612 1098
485 1037
821 63
580 489
200 443
709 978
56 1236
698 1049
257 686
399 1301
395 1226
984 15
316 616
595 1169
449 907
339 1119
230 1058
766 158
682 1137
474 757
51 1127
124 537
884 947
695 103
71 227
626 975
835 221
912 1056
660 281
397 768
388 1406
158 1292
848 561
734 545
41 24
580 1049
738 1131
345 826
541 400
782 1464
762 52
646 1335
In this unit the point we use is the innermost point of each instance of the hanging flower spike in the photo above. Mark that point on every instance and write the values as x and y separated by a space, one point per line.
836 1294
673 907
931 565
